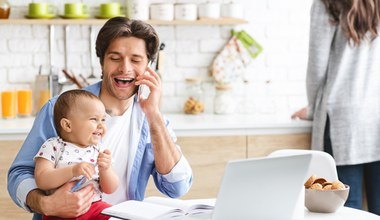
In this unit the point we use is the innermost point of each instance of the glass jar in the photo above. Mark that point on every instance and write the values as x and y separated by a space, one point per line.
194 102
5 9
224 100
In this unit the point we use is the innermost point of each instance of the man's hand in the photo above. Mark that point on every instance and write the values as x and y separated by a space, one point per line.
66 204
104 160
153 81
86 169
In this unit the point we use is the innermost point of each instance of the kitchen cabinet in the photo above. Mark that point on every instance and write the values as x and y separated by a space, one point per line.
219 21
8 208
208 157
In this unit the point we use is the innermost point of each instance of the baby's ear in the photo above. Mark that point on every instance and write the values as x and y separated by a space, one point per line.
66 125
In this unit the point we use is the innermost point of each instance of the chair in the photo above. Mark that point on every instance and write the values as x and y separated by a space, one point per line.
322 164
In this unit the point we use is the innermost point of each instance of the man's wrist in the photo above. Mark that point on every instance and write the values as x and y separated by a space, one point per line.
35 201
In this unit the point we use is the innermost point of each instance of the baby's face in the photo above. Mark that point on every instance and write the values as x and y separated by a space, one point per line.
88 122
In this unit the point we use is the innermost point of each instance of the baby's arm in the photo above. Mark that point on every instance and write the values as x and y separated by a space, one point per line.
48 177
108 179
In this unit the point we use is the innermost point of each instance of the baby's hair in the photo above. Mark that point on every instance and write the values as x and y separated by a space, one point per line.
65 102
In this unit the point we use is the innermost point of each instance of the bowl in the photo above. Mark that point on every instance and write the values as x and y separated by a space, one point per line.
325 201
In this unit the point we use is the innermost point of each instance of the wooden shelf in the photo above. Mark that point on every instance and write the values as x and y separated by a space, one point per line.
91 21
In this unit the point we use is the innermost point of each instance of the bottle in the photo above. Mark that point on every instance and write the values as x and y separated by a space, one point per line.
194 103
5 9
224 100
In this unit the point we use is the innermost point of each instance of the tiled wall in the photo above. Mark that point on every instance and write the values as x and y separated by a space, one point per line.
275 80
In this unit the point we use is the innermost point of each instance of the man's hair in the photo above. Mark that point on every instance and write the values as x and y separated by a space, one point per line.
123 27
66 102
356 17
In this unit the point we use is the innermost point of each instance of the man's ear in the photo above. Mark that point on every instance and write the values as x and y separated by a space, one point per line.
65 124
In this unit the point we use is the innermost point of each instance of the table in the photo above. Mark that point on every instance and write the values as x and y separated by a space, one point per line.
343 213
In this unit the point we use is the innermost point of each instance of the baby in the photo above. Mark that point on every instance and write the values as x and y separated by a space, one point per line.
76 153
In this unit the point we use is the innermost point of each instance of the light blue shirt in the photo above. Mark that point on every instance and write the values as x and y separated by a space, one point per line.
174 184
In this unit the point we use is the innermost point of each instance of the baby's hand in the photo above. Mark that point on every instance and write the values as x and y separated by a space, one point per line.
104 160
86 169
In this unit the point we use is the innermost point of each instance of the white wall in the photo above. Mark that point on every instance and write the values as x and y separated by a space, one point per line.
276 79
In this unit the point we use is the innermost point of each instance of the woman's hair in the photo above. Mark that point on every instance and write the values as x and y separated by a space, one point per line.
123 27
356 17
66 102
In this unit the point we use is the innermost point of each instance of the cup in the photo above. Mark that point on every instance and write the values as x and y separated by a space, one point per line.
38 9
209 10
110 9
24 102
74 9
8 104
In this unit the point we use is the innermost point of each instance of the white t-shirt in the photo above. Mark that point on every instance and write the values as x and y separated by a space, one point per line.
64 154
117 140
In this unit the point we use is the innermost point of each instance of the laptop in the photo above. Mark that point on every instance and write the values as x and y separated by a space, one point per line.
261 188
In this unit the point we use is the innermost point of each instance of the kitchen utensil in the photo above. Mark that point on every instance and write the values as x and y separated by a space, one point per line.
73 78
160 59
92 53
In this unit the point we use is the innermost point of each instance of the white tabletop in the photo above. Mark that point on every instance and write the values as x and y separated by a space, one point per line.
343 213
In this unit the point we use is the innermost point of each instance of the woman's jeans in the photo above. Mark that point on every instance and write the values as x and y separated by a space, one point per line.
354 176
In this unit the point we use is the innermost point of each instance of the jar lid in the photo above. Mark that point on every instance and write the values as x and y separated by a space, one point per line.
193 79
223 87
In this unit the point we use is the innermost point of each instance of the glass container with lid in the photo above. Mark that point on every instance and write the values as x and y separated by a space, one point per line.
224 100
194 103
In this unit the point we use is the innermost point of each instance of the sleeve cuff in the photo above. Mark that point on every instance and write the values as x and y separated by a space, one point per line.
23 189
179 172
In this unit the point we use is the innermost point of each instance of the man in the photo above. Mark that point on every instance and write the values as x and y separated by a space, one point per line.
140 139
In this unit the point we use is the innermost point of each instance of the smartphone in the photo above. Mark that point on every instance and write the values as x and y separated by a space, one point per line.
143 90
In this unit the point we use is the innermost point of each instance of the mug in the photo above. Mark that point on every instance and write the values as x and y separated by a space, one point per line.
162 11
185 12
209 10
110 9
76 9
36 9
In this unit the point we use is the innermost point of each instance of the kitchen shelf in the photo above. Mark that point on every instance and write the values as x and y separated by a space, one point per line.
91 21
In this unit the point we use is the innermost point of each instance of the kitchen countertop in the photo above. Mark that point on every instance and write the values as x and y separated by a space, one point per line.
191 125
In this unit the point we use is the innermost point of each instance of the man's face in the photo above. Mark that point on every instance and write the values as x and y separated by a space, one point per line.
124 60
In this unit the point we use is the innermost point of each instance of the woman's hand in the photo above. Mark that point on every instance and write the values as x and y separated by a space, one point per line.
301 114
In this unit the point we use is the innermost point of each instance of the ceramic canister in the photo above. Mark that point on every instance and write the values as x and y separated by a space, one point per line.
162 11
209 10
137 9
232 10
185 12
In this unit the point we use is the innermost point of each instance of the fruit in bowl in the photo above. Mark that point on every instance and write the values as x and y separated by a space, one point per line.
323 196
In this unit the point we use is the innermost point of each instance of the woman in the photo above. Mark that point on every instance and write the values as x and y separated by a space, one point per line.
343 87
